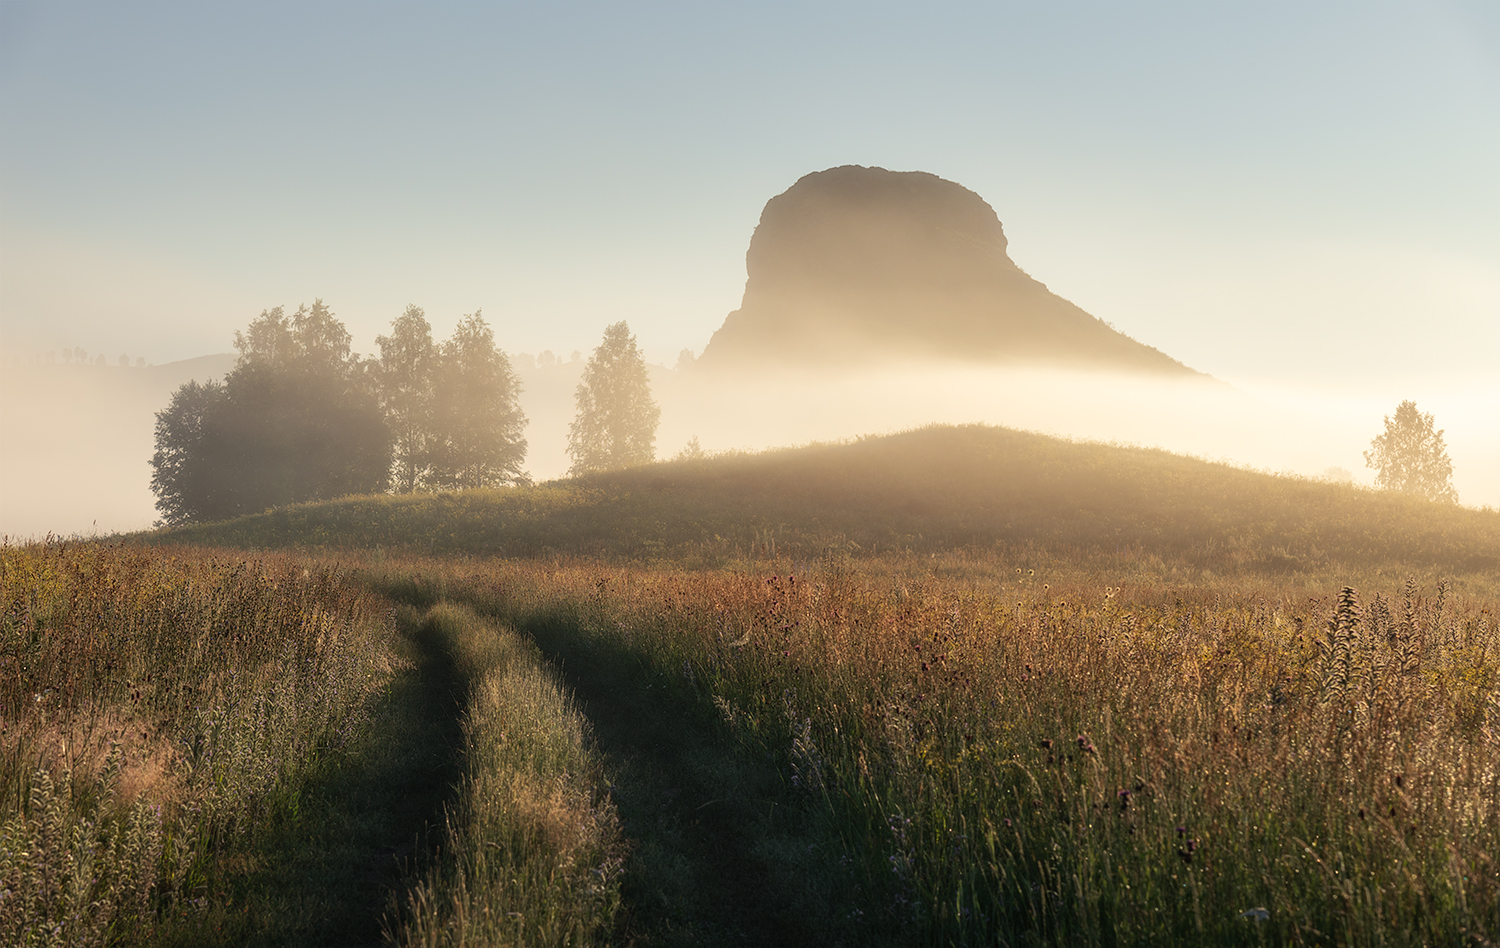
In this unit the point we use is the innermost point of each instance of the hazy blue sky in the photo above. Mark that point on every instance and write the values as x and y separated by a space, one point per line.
1298 190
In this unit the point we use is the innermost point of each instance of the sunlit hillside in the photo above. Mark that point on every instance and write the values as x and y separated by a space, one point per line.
920 492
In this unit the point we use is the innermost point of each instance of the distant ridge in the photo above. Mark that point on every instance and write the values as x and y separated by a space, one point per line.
857 265
198 369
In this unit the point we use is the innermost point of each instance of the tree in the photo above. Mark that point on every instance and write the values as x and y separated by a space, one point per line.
478 424
692 451
617 418
1410 456
405 376
181 477
297 419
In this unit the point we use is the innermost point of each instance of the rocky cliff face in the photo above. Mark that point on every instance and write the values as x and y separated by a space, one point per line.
855 265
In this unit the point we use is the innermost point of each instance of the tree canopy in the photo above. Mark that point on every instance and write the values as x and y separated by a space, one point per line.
297 419
477 420
404 375
301 418
617 418
184 484
1410 457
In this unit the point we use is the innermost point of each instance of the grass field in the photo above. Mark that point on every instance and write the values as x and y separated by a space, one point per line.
957 686
164 714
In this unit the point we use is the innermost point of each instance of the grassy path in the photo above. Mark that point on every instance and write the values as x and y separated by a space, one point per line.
721 853
328 879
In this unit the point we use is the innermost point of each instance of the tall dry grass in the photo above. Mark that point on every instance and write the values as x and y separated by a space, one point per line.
156 709
1035 762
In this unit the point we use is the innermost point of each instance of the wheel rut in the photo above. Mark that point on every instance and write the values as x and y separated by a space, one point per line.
703 822
366 827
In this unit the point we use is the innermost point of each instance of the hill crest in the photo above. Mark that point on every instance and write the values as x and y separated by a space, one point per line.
926 490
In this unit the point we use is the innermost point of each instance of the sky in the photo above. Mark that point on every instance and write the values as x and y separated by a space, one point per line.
1300 198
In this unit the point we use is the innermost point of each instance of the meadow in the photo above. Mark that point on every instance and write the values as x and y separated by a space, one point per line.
161 709
956 686
1061 760
203 747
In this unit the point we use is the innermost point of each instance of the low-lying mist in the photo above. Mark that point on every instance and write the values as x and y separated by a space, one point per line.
78 439
1277 426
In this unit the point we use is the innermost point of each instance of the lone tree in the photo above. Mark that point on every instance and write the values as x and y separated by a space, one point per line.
1410 456
617 418
477 421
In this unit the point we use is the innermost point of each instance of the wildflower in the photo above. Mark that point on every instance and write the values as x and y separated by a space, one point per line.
1186 855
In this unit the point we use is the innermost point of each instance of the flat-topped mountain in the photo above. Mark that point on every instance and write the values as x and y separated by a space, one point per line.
858 265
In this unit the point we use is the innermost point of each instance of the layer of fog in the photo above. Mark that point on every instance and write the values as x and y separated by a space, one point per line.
78 442
1296 428
78 438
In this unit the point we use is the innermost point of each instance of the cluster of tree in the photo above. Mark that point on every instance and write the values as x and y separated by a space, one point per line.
543 360
80 355
453 409
302 418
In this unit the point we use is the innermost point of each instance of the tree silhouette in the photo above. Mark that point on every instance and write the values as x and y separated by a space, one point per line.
297 419
478 423
182 478
692 451
617 418
1410 456
404 376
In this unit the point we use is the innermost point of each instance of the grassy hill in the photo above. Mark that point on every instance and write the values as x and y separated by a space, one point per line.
924 491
